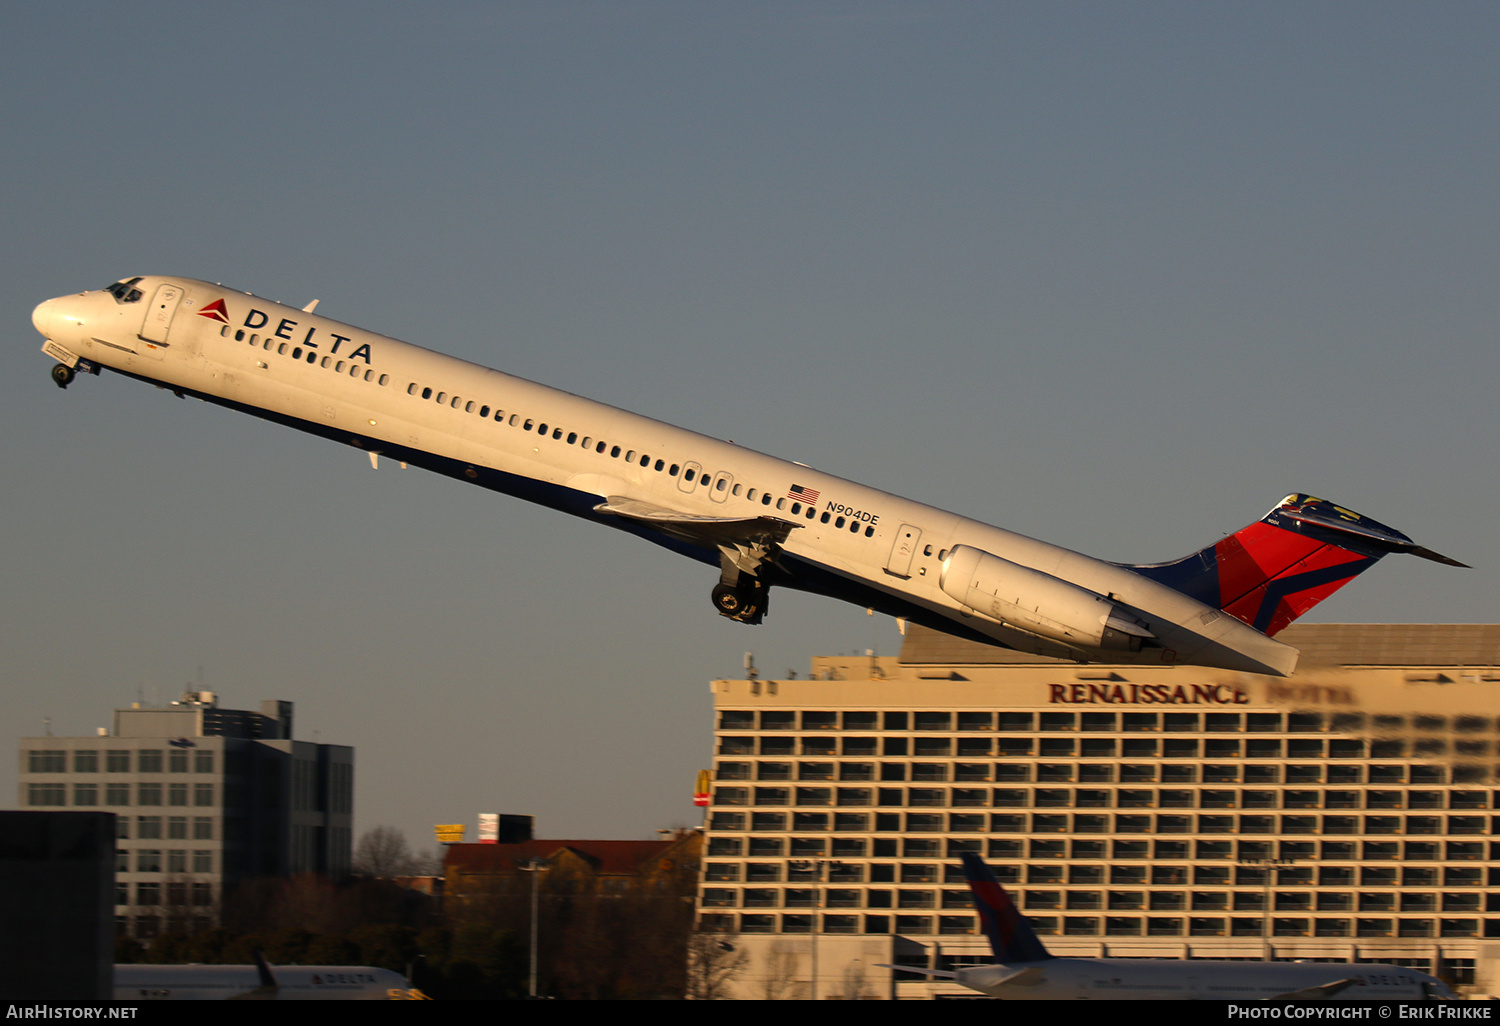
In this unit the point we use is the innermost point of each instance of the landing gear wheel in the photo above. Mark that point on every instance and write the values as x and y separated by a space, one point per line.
747 605
728 601
62 374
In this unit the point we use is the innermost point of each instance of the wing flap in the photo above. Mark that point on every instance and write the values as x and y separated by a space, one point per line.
698 527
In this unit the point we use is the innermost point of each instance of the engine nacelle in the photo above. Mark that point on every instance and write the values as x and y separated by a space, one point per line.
1038 603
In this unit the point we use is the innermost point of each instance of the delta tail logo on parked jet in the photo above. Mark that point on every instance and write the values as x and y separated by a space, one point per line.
761 522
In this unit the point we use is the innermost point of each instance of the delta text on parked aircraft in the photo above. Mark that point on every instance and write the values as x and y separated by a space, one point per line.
261 982
1024 970
761 521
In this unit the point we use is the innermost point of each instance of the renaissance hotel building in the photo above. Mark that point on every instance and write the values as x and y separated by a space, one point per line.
1348 813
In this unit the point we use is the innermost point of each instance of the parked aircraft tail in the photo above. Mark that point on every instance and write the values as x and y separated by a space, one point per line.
1275 570
1011 936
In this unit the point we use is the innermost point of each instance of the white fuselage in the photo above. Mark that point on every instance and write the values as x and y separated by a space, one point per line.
239 982
509 434
1115 979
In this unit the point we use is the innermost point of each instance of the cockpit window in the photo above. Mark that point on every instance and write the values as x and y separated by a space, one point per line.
125 291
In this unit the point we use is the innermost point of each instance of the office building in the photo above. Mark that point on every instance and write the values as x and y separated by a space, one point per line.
1345 813
204 798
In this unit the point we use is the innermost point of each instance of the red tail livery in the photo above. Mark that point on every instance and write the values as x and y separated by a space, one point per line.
1272 572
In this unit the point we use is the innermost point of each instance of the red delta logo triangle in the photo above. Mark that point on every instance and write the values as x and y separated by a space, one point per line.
215 311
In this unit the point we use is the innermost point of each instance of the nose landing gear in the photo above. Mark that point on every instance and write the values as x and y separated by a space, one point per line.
62 375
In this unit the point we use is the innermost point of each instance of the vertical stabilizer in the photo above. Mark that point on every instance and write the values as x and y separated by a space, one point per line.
1011 937
1270 573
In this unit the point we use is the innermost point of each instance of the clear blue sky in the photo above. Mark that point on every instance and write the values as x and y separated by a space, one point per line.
1115 275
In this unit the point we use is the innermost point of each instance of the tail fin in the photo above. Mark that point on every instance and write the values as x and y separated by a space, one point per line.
1011 937
1275 570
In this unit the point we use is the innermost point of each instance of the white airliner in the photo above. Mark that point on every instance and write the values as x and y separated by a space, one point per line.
761 521
260 983
1025 971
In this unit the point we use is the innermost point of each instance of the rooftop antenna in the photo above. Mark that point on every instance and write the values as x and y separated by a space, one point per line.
750 673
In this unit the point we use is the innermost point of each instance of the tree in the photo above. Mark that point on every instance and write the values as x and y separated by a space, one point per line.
713 963
384 853
783 965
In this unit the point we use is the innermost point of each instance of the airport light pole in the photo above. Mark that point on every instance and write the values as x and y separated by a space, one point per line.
819 868
1268 867
534 867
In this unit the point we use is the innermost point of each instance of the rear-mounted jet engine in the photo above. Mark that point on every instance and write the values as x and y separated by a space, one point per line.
1039 603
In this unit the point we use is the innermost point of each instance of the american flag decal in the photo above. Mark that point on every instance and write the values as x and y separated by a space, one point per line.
808 495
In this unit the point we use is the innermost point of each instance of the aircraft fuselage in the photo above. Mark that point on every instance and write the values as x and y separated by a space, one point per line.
762 520
1116 979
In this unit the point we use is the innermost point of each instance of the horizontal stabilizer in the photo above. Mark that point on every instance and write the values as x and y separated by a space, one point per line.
1436 557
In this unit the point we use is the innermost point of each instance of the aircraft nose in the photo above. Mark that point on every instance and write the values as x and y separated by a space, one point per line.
42 317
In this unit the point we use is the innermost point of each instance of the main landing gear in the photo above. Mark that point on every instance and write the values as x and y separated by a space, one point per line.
745 602
742 591
62 375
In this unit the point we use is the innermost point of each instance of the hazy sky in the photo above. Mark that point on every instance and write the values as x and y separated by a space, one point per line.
1116 275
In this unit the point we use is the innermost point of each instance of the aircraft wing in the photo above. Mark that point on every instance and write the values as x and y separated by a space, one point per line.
924 972
996 975
1321 993
699 528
